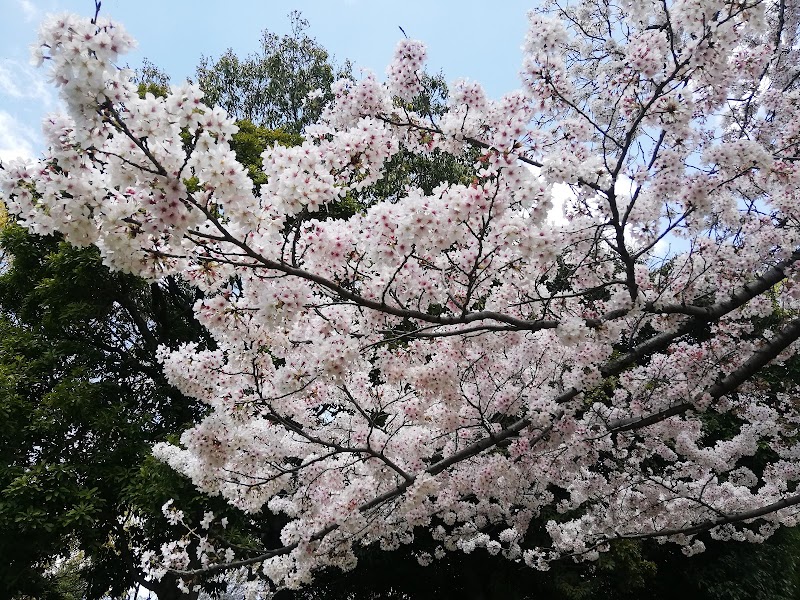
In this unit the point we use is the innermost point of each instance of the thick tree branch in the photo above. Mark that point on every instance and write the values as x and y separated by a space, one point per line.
759 359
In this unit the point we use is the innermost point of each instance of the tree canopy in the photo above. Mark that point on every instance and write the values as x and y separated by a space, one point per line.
285 84
83 400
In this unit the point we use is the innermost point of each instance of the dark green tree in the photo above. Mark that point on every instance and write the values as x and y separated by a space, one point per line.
82 400
271 87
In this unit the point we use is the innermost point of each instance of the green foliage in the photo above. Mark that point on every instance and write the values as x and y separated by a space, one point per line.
82 400
151 80
730 570
250 142
407 169
271 87
68 583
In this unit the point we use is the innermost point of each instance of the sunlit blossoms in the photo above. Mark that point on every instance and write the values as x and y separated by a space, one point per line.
461 360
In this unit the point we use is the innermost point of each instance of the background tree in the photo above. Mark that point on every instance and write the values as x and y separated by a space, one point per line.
83 401
271 87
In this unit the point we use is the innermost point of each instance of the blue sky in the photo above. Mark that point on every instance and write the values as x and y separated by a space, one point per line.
476 39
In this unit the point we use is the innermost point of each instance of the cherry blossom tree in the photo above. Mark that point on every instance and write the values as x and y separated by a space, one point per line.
470 361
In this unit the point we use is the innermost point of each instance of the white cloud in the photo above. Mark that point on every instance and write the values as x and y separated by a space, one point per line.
561 193
21 81
8 86
29 9
16 139
25 97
